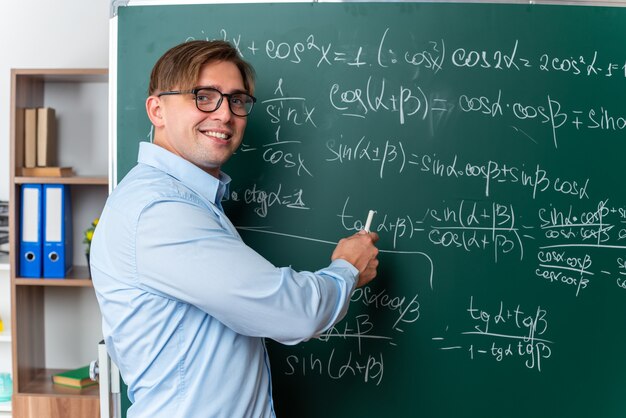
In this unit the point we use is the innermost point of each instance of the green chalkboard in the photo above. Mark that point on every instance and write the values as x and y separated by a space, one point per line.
489 139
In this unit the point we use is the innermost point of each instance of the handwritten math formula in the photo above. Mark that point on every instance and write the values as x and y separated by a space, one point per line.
519 184
505 333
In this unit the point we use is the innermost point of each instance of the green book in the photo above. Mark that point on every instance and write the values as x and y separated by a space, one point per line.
77 378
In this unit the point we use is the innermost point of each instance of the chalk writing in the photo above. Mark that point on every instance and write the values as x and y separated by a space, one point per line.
407 310
262 200
466 227
371 369
490 205
399 156
558 267
462 57
317 50
505 332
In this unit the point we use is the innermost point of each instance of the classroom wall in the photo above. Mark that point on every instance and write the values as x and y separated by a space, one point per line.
54 34
47 34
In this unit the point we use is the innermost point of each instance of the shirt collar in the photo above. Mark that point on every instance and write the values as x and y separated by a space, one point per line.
186 172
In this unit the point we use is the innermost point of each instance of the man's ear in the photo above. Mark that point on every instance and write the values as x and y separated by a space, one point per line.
155 111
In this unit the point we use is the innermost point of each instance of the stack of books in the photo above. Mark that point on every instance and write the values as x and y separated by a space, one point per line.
36 128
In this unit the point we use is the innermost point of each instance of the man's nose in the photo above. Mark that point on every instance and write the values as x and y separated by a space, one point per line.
223 112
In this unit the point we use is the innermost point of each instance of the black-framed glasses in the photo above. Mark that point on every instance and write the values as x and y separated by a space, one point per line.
209 100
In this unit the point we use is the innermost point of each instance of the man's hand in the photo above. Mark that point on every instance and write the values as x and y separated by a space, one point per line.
359 250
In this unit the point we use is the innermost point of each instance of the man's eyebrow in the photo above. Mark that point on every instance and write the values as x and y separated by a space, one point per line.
219 89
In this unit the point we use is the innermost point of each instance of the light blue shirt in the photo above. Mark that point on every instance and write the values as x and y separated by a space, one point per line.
186 304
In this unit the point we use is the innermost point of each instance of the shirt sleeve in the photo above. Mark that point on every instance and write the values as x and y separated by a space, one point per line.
184 252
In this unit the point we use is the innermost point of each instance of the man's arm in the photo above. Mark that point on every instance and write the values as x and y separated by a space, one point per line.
185 253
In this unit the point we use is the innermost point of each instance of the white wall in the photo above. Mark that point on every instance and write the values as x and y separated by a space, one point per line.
53 34
47 34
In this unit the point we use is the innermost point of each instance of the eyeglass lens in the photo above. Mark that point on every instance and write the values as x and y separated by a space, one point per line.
208 100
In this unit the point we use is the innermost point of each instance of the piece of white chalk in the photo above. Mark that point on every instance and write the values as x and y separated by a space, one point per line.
368 223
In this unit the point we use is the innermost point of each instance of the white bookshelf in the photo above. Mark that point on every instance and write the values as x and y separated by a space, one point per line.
64 324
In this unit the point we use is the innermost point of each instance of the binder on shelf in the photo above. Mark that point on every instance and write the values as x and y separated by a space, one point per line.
46 137
30 264
30 137
57 233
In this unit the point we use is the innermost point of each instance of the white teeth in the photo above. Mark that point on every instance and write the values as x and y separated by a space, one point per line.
217 134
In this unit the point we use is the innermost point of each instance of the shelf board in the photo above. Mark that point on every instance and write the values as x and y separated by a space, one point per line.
65 75
77 277
42 385
78 180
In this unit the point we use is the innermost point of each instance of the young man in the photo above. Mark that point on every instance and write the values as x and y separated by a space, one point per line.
186 305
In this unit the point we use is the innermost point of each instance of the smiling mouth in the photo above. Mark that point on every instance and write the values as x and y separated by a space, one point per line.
218 135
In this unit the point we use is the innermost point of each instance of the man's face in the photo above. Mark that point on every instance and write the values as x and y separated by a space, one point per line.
205 139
